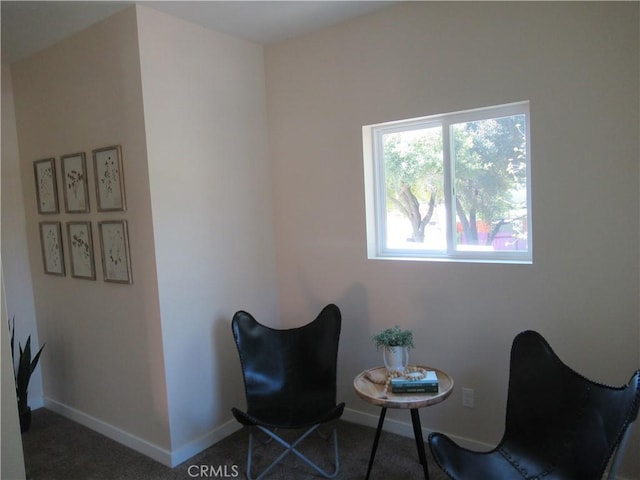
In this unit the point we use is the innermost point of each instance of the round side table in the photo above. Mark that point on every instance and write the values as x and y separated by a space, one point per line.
366 388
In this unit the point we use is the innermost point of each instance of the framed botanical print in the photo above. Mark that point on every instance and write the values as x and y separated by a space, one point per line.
114 245
74 182
81 250
51 243
109 178
46 185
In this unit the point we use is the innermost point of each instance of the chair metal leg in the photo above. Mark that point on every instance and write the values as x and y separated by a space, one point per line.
250 455
291 448
324 436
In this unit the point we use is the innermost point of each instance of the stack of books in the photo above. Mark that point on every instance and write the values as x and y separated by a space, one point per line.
427 384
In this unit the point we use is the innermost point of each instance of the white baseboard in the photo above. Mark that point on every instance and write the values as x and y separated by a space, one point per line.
405 429
170 458
188 450
138 444
185 452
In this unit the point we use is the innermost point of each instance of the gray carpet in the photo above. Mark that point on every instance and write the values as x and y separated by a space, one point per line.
56 448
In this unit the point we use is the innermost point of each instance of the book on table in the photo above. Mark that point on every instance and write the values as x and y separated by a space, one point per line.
427 384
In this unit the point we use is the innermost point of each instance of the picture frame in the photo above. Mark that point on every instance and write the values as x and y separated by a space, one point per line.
114 246
52 252
74 183
81 258
46 185
109 179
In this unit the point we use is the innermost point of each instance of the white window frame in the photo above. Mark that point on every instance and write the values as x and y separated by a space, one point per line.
375 187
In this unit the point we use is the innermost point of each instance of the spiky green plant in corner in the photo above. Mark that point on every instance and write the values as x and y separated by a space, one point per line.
25 368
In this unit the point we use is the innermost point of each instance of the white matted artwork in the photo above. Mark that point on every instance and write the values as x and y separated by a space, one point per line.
81 250
74 181
51 243
46 185
114 243
107 169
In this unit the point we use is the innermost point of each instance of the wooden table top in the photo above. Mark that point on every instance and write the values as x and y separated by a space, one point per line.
373 392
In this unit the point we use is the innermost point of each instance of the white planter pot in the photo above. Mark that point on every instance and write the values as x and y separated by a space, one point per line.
395 358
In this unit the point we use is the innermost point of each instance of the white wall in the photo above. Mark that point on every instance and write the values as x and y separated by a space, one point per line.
578 64
12 465
103 361
20 305
153 364
16 266
189 111
204 104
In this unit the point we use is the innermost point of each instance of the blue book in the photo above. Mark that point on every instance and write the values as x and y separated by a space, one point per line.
430 380
416 389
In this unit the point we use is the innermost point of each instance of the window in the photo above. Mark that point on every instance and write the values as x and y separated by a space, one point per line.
452 186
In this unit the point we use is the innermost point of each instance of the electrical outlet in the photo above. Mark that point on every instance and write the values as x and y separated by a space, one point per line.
467 397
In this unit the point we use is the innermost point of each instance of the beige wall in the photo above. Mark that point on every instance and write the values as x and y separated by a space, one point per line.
190 110
15 267
12 465
103 360
188 107
578 65
204 104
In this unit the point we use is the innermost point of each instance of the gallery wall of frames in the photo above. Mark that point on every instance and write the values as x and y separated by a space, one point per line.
113 235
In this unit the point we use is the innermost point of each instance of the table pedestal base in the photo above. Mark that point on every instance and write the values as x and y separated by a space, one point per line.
417 433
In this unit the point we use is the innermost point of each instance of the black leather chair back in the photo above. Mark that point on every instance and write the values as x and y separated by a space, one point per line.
289 374
571 423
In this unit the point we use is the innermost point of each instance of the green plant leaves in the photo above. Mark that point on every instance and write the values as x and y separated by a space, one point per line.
25 368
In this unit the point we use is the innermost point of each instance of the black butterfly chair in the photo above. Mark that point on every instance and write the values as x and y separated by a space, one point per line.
559 425
289 380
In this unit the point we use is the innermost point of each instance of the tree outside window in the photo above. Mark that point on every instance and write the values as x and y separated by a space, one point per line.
454 185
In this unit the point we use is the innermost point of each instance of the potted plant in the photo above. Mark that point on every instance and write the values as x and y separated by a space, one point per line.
395 344
25 368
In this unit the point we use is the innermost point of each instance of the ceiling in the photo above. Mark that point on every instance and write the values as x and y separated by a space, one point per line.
30 26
